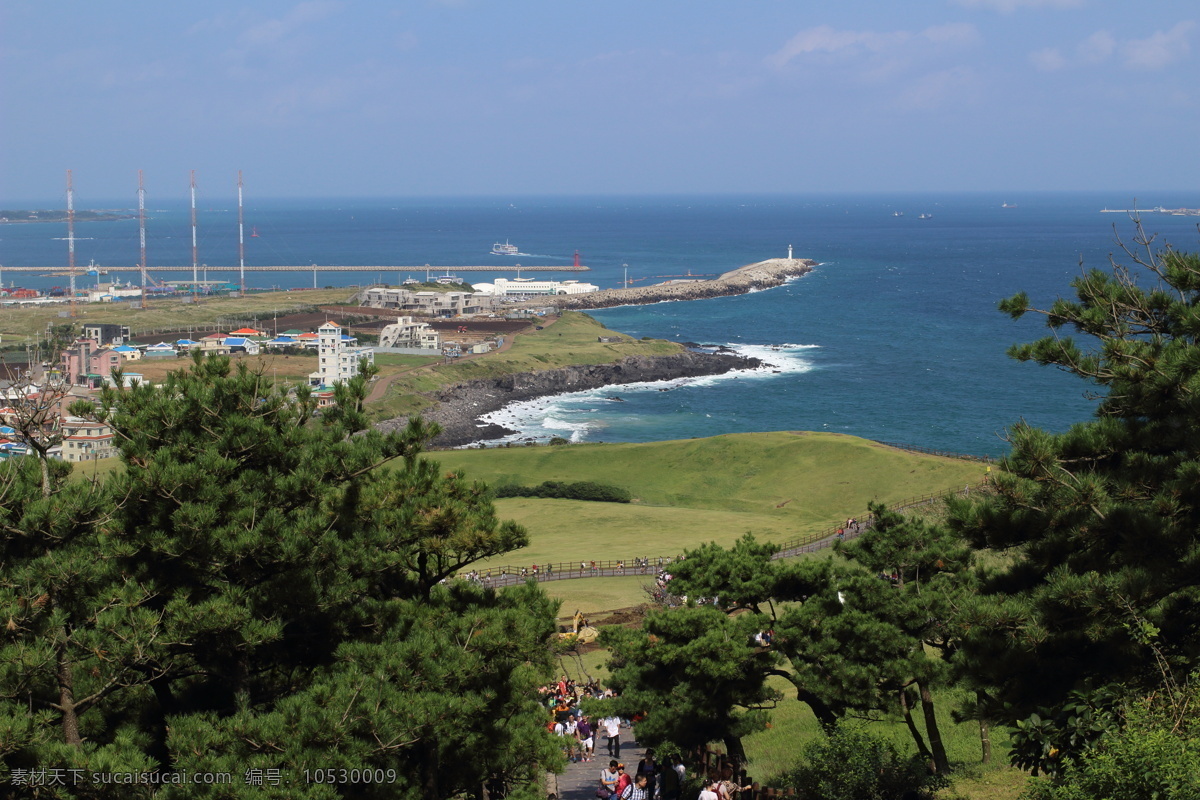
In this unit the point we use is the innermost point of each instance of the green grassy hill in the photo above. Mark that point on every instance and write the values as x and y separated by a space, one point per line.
775 485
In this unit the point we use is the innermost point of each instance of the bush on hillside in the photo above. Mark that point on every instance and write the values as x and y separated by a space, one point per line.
1156 754
852 764
583 490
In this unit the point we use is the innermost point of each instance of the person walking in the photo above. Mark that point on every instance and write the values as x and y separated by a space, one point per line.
583 731
612 729
608 779
648 768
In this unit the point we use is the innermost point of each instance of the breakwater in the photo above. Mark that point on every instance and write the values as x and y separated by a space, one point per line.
760 275
459 407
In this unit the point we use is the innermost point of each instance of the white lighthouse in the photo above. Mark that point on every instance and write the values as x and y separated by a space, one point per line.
789 252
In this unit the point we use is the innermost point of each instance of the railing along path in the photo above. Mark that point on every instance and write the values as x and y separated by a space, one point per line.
510 575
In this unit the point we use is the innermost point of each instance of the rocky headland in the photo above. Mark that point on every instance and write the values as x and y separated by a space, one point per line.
459 407
761 275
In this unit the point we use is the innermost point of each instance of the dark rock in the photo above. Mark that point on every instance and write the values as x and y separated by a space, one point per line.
460 406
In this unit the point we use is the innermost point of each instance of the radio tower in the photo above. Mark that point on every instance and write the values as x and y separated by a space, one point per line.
241 239
71 237
142 231
195 260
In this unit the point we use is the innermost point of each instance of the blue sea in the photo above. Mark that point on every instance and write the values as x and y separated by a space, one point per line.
895 336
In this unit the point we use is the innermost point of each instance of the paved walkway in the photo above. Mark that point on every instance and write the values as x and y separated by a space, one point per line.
580 780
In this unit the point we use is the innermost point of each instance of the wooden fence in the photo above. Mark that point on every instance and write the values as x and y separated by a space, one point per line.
510 574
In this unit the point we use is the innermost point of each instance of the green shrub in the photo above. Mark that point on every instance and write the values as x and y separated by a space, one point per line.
851 764
583 490
1155 755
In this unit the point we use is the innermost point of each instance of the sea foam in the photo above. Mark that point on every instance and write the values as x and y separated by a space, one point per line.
585 415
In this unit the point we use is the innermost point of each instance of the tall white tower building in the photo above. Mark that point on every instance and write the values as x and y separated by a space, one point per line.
337 358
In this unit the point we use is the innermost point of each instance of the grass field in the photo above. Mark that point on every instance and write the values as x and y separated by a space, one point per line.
775 485
277 366
595 595
22 324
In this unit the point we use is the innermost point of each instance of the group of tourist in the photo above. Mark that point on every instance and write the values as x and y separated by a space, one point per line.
578 731
722 786
650 781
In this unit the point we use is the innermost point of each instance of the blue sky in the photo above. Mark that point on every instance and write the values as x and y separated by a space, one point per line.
466 97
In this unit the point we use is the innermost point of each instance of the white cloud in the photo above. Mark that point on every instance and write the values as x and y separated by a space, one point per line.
937 88
1049 60
1160 49
1009 6
272 31
1097 47
824 39
827 40
953 33
276 40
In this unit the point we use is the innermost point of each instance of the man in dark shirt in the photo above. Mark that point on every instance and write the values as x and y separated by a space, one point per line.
586 743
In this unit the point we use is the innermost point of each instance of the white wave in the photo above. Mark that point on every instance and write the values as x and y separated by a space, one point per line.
554 423
543 417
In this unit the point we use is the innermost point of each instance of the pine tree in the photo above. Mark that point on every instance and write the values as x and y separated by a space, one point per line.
265 587
847 640
1099 524
697 675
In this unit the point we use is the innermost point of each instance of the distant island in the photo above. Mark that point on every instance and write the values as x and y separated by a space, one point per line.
58 215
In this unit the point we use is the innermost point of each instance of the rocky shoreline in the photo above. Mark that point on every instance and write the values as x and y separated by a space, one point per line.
761 275
459 407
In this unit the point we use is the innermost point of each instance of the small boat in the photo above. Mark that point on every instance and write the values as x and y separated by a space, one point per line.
897 213
505 249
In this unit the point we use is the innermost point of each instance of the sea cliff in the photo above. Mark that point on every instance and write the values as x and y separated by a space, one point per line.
760 275
460 406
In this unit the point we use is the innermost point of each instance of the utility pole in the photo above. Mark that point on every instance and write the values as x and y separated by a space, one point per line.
71 237
195 259
241 239
142 231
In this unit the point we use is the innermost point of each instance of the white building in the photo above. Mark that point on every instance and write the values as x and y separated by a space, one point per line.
337 356
86 441
407 332
430 303
527 287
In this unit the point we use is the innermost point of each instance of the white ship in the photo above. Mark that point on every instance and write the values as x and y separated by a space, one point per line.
505 249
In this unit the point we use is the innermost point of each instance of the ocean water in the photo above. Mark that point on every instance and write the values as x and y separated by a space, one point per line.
895 336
